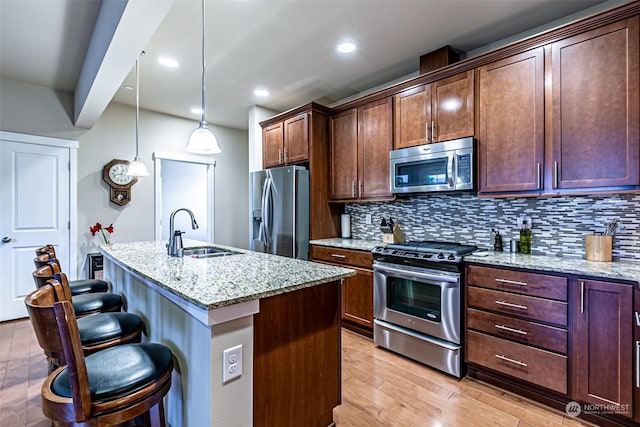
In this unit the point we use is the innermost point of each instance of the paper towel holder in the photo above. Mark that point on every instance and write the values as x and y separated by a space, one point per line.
345 226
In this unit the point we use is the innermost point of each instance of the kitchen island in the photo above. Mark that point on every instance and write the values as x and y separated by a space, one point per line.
283 312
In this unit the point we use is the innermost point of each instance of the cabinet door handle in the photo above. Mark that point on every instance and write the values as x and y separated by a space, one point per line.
353 188
506 328
637 364
433 132
508 304
637 318
511 282
539 176
285 155
506 359
555 174
360 188
426 131
581 297
280 155
339 256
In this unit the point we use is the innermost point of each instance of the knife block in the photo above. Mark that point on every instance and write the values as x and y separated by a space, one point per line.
396 235
598 247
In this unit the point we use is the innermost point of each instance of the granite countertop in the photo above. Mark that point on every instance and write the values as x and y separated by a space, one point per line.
360 245
211 283
621 270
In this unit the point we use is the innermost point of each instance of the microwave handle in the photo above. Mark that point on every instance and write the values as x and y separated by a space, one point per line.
453 159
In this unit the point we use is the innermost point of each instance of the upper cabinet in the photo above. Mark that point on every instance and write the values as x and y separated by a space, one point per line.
595 111
435 112
511 148
563 118
286 142
361 139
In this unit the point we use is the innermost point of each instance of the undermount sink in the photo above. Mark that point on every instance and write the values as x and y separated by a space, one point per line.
207 252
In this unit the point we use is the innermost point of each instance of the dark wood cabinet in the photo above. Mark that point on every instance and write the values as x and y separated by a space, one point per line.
438 111
286 142
596 113
344 154
636 355
511 129
603 337
357 291
361 139
375 140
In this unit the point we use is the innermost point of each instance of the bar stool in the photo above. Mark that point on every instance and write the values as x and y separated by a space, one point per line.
47 254
105 388
97 332
84 304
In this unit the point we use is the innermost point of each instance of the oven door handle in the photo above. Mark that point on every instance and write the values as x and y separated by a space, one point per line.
413 273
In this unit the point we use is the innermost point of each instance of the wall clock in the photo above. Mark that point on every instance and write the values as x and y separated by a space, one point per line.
114 174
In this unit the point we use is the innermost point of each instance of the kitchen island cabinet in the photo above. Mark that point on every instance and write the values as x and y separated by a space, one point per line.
278 309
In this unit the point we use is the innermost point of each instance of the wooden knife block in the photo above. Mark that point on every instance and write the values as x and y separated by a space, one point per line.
598 247
396 237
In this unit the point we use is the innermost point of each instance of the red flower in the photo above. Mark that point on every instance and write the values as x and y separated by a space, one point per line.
98 227
95 228
109 228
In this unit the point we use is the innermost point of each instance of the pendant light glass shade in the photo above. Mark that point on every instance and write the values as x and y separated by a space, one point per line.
137 168
202 140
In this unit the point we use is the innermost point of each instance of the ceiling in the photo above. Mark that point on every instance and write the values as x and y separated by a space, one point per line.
287 47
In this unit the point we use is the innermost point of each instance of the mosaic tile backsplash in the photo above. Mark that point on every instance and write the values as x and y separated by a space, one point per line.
559 223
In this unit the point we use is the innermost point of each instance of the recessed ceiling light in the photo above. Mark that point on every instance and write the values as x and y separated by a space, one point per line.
168 62
261 92
127 87
346 47
196 110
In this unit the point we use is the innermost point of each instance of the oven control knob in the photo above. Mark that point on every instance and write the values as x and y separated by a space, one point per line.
440 255
451 257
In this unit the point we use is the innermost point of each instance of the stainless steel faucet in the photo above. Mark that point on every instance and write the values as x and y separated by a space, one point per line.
174 247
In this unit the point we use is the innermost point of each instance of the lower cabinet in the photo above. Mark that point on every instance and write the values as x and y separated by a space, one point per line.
556 338
356 291
603 345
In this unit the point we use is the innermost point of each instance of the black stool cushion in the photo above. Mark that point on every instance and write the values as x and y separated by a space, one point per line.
103 327
98 302
119 371
87 286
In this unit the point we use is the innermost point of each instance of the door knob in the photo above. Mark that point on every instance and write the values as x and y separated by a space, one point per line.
6 239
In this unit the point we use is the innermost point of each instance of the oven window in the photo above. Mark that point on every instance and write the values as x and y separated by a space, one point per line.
424 172
415 298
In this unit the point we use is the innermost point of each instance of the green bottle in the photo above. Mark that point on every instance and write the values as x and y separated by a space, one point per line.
525 239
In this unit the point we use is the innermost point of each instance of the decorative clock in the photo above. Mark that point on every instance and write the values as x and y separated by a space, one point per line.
114 173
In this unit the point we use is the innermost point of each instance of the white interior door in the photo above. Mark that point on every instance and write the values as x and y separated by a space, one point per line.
184 181
34 211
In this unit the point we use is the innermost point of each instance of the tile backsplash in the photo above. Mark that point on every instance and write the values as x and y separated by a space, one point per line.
559 223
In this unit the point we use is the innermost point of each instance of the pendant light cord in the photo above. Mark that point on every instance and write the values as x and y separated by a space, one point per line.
204 65
137 101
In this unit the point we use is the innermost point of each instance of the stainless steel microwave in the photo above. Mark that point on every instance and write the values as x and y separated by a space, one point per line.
442 166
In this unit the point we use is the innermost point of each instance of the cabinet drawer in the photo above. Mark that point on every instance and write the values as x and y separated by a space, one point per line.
527 363
342 256
522 331
527 307
522 282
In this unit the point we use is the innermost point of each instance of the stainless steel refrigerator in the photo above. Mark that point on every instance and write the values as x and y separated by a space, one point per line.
279 209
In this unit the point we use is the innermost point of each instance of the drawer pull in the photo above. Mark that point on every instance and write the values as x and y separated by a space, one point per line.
508 304
339 256
506 328
506 359
511 282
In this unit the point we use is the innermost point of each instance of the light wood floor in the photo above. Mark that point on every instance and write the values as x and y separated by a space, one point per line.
379 388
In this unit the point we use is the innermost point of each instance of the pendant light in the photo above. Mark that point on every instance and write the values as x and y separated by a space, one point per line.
137 168
202 140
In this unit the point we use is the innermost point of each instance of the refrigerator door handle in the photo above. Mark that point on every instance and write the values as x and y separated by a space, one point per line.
265 226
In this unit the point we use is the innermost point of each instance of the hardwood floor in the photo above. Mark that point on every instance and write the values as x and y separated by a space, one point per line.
379 388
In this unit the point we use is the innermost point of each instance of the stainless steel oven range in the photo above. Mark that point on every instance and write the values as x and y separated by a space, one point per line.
417 302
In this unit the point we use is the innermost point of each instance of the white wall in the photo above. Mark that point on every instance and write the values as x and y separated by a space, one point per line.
113 136
256 115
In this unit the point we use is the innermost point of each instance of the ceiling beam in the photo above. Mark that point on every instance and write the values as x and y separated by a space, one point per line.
122 31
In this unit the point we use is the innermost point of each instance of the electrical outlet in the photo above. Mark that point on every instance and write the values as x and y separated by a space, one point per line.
367 219
231 363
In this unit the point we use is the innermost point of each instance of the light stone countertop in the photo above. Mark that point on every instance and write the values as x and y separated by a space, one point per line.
211 283
360 245
620 270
